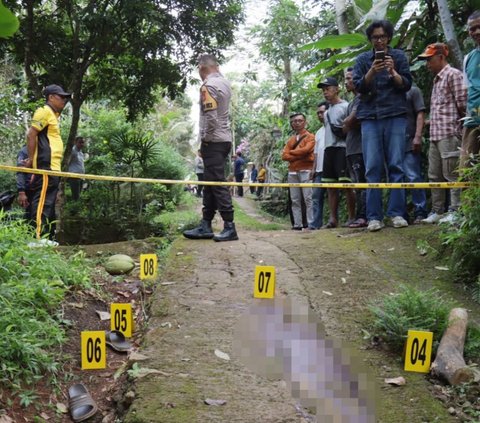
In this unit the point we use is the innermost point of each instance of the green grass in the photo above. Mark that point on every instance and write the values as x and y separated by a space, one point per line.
250 223
33 283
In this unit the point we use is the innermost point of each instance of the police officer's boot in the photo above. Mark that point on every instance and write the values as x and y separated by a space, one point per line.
203 231
228 234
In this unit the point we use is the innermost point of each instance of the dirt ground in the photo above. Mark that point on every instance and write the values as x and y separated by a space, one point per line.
205 289
208 286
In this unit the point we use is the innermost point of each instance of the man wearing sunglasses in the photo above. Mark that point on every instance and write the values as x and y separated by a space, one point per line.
45 151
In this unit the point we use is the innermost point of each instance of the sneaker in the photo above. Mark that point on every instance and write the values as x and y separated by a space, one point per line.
432 218
451 217
399 222
375 225
418 220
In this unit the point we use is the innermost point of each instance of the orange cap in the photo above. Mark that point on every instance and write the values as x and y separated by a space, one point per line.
434 50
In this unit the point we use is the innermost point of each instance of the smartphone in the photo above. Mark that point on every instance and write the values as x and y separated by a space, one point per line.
380 55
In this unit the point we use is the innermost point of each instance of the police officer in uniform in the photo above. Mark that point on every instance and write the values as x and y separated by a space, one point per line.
216 142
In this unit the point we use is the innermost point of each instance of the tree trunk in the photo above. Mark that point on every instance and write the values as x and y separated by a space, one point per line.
287 96
449 31
341 16
29 34
449 362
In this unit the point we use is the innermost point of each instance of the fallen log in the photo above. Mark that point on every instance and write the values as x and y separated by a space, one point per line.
449 363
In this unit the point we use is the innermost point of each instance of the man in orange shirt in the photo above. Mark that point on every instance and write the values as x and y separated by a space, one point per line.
298 152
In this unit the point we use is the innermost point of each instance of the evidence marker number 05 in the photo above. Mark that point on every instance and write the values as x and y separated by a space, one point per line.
264 284
121 318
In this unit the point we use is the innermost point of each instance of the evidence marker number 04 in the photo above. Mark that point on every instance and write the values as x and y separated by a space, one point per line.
264 284
418 353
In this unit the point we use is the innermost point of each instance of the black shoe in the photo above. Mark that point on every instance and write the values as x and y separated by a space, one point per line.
203 231
228 234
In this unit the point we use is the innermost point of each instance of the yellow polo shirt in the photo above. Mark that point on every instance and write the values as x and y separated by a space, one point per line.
49 150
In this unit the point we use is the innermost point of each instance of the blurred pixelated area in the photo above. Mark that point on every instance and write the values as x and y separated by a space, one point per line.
284 340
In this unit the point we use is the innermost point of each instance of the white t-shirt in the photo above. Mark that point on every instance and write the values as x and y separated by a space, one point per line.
319 148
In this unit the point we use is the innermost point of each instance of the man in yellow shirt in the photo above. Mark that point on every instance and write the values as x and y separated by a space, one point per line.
45 151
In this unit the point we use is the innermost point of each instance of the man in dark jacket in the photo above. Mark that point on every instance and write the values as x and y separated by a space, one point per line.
382 78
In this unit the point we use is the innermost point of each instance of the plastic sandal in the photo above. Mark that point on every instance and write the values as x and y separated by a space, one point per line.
117 341
80 402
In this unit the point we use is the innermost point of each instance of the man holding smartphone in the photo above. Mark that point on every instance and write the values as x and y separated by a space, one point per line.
382 78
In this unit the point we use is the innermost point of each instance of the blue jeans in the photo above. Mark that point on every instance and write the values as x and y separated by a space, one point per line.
383 144
318 195
413 173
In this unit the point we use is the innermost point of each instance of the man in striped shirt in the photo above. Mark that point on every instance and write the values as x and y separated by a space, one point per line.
447 107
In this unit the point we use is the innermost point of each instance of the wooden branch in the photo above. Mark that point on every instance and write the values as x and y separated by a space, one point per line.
449 363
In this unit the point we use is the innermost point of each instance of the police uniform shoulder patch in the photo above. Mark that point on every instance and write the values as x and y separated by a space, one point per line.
208 102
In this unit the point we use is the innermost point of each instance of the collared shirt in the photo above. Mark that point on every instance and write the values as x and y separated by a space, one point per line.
382 98
215 94
447 104
299 152
49 150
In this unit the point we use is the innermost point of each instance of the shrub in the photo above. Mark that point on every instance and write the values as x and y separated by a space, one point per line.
410 309
464 239
33 282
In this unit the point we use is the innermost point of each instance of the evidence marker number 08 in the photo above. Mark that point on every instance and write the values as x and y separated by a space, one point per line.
418 353
148 266
93 350
264 284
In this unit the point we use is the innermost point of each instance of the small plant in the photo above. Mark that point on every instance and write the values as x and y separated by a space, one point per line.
27 398
410 309
33 283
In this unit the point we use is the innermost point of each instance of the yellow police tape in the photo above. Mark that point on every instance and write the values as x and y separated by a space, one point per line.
417 185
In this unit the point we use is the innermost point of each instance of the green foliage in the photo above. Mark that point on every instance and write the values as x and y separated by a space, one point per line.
410 309
463 241
33 282
8 22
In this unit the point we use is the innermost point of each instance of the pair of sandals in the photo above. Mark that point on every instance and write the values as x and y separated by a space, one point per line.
81 404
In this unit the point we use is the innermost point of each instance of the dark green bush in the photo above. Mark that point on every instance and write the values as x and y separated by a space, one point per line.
464 239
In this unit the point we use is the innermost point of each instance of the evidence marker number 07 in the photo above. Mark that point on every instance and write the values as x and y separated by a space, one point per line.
264 284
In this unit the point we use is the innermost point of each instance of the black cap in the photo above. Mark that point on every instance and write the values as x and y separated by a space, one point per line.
328 82
55 89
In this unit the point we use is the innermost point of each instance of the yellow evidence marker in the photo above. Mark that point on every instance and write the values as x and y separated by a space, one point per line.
121 318
418 353
93 350
264 284
148 266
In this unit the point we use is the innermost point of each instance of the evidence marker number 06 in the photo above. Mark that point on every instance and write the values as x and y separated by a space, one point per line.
264 284
148 266
93 350
121 318
418 353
